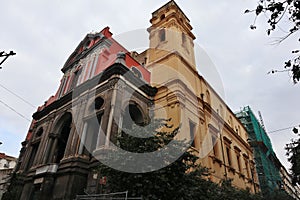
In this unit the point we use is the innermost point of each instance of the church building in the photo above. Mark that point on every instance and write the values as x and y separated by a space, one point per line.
104 85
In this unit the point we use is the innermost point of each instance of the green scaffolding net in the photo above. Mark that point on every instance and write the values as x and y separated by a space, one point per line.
266 162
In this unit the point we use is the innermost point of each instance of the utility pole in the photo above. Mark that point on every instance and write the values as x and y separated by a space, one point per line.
5 56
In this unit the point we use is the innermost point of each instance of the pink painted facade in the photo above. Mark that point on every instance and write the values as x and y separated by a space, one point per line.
95 53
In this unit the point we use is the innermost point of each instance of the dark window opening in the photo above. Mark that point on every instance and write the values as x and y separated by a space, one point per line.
238 162
39 132
247 168
228 156
96 39
98 103
75 78
215 145
133 115
192 133
162 35
183 37
136 72
32 155
162 16
87 44
63 138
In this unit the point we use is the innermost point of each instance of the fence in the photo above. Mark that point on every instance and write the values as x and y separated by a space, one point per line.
110 196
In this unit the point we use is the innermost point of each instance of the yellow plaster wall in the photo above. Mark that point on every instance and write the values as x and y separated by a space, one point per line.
185 96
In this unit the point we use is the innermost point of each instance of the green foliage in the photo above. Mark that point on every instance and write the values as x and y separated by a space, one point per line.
183 179
14 190
279 195
276 10
170 182
293 151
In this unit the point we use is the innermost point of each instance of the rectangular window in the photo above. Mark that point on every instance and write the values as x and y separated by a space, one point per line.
183 38
247 168
238 162
228 155
162 35
75 78
62 86
32 155
93 66
192 133
83 73
214 140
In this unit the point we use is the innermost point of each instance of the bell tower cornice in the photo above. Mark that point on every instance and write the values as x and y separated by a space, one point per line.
171 16
170 32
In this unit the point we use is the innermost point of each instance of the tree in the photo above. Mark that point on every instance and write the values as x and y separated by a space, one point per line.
293 151
179 180
183 179
14 189
279 195
276 11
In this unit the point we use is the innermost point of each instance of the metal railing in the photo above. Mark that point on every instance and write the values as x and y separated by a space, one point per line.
110 196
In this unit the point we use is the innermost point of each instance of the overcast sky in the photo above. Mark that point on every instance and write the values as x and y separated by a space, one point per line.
45 33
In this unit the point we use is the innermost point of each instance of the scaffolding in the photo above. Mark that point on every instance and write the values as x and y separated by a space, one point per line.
267 163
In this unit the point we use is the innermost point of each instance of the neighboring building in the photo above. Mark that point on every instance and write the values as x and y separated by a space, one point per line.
287 185
267 164
7 164
102 88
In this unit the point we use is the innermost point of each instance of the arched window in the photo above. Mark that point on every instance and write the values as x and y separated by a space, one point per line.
63 138
59 141
87 44
162 16
133 115
39 132
98 103
136 72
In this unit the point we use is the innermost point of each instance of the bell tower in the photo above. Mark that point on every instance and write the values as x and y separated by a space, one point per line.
170 34
171 61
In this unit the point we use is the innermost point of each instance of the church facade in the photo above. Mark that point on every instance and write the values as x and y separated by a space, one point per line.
97 90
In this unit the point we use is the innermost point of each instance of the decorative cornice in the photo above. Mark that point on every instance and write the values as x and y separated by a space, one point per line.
76 56
115 69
